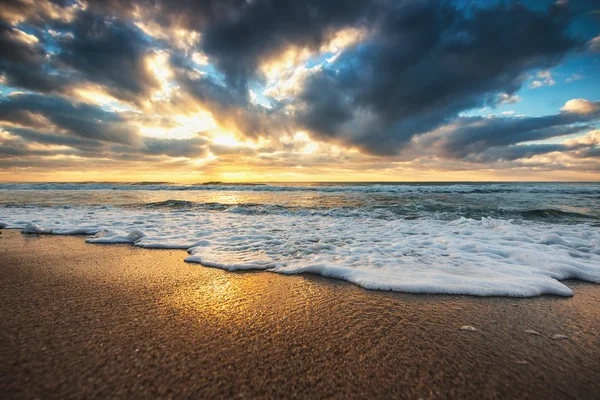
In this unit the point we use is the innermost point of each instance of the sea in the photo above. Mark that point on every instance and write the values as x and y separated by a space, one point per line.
482 239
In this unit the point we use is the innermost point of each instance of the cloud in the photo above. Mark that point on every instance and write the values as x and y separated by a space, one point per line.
262 29
505 98
492 139
594 45
109 52
544 78
27 145
574 77
25 62
78 119
572 148
175 148
370 82
233 111
85 48
477 134
426 63
46 138
38 12
189 14
581 106
188 148
591 138
514 152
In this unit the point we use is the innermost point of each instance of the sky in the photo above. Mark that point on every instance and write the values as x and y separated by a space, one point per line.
314 90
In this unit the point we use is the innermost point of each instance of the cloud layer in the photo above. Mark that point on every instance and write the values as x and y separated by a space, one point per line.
262 85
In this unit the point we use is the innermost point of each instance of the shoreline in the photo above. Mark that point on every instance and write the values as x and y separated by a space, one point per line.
120 321
564 290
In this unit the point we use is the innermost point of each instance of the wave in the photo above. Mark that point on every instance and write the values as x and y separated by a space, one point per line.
408 211
171 204
552 213
492 188
484 257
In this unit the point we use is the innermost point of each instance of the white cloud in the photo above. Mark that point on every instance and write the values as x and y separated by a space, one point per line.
200 58
289 83
592 138
535 84
544 78
23 36
594 45
580 106
574 77
506 98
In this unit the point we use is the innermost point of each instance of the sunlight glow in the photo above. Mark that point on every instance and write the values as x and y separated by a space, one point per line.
158 64
187 127
184 39
285 74
92 94
227 139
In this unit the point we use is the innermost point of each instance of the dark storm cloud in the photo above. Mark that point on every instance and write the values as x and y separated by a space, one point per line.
15 50
109 52
264 28
18 144
91 47
591 152
146 164
510 153
475 135
515 152
427 62
26 65
147 150
195 14
208 91
190 14
188 148
35 136
79 119
37 12
12 147
238 34
422 64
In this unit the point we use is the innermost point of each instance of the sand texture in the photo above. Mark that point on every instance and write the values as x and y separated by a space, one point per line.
91 321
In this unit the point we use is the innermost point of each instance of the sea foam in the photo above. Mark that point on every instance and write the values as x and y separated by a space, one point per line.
483 257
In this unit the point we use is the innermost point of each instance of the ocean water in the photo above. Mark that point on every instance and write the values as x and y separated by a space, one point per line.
485 239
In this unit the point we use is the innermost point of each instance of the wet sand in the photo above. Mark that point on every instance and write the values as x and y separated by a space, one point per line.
88 321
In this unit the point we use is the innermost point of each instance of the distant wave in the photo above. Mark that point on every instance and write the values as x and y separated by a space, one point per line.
474 188
219 183
171 204
410 211
392 212
555 214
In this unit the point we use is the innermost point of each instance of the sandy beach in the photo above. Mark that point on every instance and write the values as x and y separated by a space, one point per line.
92 321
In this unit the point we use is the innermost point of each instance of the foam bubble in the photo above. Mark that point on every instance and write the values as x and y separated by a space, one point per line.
35 228
113 236
485 257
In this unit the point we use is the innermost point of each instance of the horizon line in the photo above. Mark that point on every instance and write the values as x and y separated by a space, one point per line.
208 183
